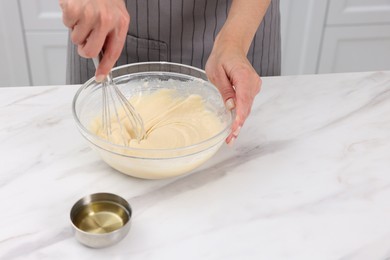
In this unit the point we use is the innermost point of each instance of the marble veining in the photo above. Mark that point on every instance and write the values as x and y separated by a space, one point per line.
308 178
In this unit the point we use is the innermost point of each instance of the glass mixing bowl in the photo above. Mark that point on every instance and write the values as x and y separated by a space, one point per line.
140 79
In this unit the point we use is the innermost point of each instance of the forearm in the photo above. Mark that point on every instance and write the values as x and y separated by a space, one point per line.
242 22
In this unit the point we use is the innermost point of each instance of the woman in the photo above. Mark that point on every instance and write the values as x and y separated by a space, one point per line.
235 41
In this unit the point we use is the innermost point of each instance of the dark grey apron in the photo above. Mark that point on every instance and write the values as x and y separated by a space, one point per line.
183 31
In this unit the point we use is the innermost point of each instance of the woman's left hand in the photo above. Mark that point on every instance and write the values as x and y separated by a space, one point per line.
230 71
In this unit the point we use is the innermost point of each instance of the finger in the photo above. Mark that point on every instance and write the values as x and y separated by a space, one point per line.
222 82
94 43
113 46
246 89
112 50
83 28
80 33
244 103
70 13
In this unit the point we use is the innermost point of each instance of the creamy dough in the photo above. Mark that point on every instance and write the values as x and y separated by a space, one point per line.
170 121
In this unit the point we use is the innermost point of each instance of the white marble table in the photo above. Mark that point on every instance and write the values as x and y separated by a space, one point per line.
308 178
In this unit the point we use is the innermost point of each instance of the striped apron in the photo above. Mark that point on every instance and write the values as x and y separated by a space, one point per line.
183 31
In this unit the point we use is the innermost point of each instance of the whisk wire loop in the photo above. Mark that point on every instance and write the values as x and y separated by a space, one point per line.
115 104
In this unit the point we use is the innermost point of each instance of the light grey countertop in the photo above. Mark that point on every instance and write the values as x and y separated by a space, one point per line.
308 178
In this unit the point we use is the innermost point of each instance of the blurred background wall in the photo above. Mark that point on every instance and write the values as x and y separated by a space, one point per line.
318 36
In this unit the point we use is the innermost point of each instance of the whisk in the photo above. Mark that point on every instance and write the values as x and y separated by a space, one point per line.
118 115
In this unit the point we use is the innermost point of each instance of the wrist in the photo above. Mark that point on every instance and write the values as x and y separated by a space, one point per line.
242 23
231 41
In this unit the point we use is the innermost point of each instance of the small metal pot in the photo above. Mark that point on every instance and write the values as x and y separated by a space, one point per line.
100 219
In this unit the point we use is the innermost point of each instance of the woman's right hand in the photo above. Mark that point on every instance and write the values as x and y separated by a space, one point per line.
97 25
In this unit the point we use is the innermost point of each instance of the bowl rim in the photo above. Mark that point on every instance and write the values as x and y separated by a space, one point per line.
88 135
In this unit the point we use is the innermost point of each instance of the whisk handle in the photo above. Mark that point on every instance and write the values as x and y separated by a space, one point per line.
96 62
98 59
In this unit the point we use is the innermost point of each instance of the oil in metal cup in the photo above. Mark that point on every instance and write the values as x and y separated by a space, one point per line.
101 219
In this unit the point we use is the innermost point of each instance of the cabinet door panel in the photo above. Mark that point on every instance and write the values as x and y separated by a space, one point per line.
47 55
302 29
358 12
357 48
13 65
41 15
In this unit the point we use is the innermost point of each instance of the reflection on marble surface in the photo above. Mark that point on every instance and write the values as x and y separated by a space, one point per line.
308 178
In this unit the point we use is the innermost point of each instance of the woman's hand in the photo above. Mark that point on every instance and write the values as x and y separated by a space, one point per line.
228 67
230 71
97 25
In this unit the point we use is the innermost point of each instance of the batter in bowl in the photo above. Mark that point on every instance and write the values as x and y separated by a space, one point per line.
170 121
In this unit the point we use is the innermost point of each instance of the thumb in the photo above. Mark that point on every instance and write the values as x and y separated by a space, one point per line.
225 87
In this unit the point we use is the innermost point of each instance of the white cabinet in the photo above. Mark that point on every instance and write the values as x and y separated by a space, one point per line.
47 56
358 12
302 24
356 36
33 43
46 41
323 36
355 48
41 15
13 66
333 36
